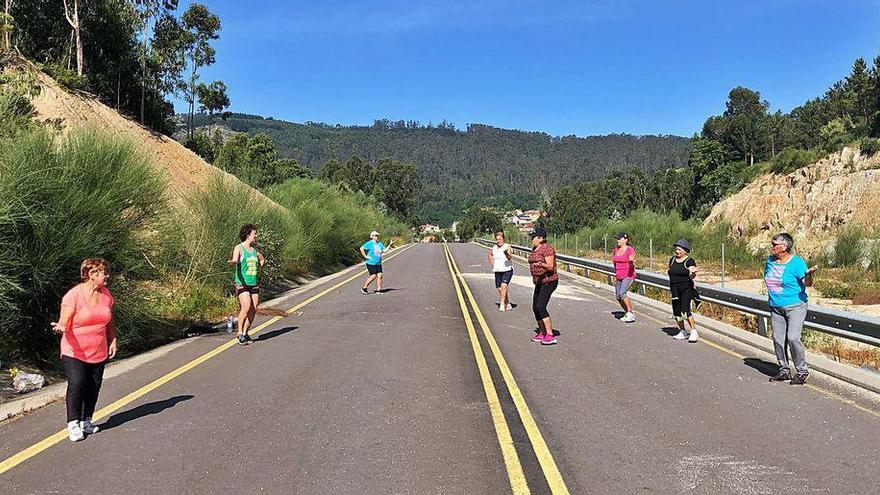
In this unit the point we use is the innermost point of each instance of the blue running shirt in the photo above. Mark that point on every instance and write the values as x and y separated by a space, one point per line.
785 282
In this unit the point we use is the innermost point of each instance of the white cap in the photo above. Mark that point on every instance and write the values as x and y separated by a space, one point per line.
373 233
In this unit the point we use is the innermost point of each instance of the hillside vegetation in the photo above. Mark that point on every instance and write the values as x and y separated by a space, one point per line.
78 180
482 164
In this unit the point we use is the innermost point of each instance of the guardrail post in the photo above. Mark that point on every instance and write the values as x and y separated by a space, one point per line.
610 282
641 289
763 325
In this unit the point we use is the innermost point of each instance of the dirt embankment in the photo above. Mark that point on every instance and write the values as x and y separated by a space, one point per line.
813 203
185 170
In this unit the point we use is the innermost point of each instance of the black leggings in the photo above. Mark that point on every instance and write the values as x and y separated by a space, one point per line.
682 295
83 384
540 299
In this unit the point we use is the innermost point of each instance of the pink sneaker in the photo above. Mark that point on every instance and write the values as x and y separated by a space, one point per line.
549 340
538 338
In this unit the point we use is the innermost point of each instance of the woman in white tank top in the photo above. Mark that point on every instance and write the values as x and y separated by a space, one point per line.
501 257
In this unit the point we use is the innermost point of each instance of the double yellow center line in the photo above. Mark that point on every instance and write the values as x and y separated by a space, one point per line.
512 463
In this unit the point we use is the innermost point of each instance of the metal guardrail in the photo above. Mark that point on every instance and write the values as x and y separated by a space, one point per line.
846 324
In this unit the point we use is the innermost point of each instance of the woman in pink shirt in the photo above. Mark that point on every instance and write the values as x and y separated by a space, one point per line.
88 340
624 258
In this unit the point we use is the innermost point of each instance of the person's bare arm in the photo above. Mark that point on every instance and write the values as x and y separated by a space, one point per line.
364 253
509 253
63 322
549 262
111 337
261 258
808 278
236 255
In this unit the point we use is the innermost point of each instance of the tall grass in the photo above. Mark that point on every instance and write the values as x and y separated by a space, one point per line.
329 223
63 199
848 247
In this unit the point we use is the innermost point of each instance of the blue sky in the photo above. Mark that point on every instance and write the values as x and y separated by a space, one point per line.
563 67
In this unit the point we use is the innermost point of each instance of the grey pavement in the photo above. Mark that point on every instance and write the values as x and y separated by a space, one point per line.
381 394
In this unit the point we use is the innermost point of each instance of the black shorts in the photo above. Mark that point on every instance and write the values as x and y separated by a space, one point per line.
503 278
251 289
374 269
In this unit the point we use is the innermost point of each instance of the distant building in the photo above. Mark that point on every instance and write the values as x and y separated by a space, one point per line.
429 228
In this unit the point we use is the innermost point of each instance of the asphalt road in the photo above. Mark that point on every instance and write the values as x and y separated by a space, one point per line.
383 394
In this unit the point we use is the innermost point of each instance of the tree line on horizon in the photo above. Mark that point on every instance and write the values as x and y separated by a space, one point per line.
479 165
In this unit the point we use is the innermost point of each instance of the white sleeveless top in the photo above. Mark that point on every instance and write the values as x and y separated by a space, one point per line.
502 264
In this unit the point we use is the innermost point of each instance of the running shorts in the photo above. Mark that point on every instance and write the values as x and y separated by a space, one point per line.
374 269
503 278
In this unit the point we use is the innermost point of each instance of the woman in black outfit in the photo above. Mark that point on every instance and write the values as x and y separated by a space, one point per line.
682 270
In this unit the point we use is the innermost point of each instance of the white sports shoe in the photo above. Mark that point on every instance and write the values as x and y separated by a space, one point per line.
74 432
628 318
88 428
509 307
500 308
681 335
694 336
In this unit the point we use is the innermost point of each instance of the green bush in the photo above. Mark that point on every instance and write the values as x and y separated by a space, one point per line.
870 146
848 250
66 77
663 230
791 159
834 289
63 199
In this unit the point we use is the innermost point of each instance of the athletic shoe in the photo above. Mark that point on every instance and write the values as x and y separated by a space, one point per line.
628 318
247 338
364 290
694 337
242 339
782 376
681 335
509 307
556 333
88 428
800 378
538 338
380 291
500 308
74 431
549 340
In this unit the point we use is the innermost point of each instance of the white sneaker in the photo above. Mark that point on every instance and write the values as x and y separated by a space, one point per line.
500 307
88 428
694 336
628 318
509 307
74 432
681 335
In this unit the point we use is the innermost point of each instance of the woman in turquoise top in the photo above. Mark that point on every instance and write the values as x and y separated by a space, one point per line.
787 278
247 261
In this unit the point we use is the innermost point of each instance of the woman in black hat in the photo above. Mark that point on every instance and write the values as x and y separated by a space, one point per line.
542 267
682 270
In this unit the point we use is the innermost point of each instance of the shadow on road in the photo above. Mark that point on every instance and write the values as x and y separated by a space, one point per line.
765 367
120 419
512 305
387 289
671 331
618 314
275 333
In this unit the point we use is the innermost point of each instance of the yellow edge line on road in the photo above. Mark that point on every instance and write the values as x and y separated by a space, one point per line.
51 440
508 450
725 350
545 458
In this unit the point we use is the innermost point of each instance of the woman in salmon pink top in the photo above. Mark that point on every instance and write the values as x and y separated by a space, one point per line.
624 258
88 340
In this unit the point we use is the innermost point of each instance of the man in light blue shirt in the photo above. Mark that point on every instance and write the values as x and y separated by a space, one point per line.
372 251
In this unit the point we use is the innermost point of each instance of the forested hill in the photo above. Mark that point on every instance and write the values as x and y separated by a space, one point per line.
492 165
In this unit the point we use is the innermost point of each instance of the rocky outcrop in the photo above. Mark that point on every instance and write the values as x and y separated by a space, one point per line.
812 203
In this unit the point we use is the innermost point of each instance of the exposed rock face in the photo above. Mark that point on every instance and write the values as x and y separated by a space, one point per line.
812 203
